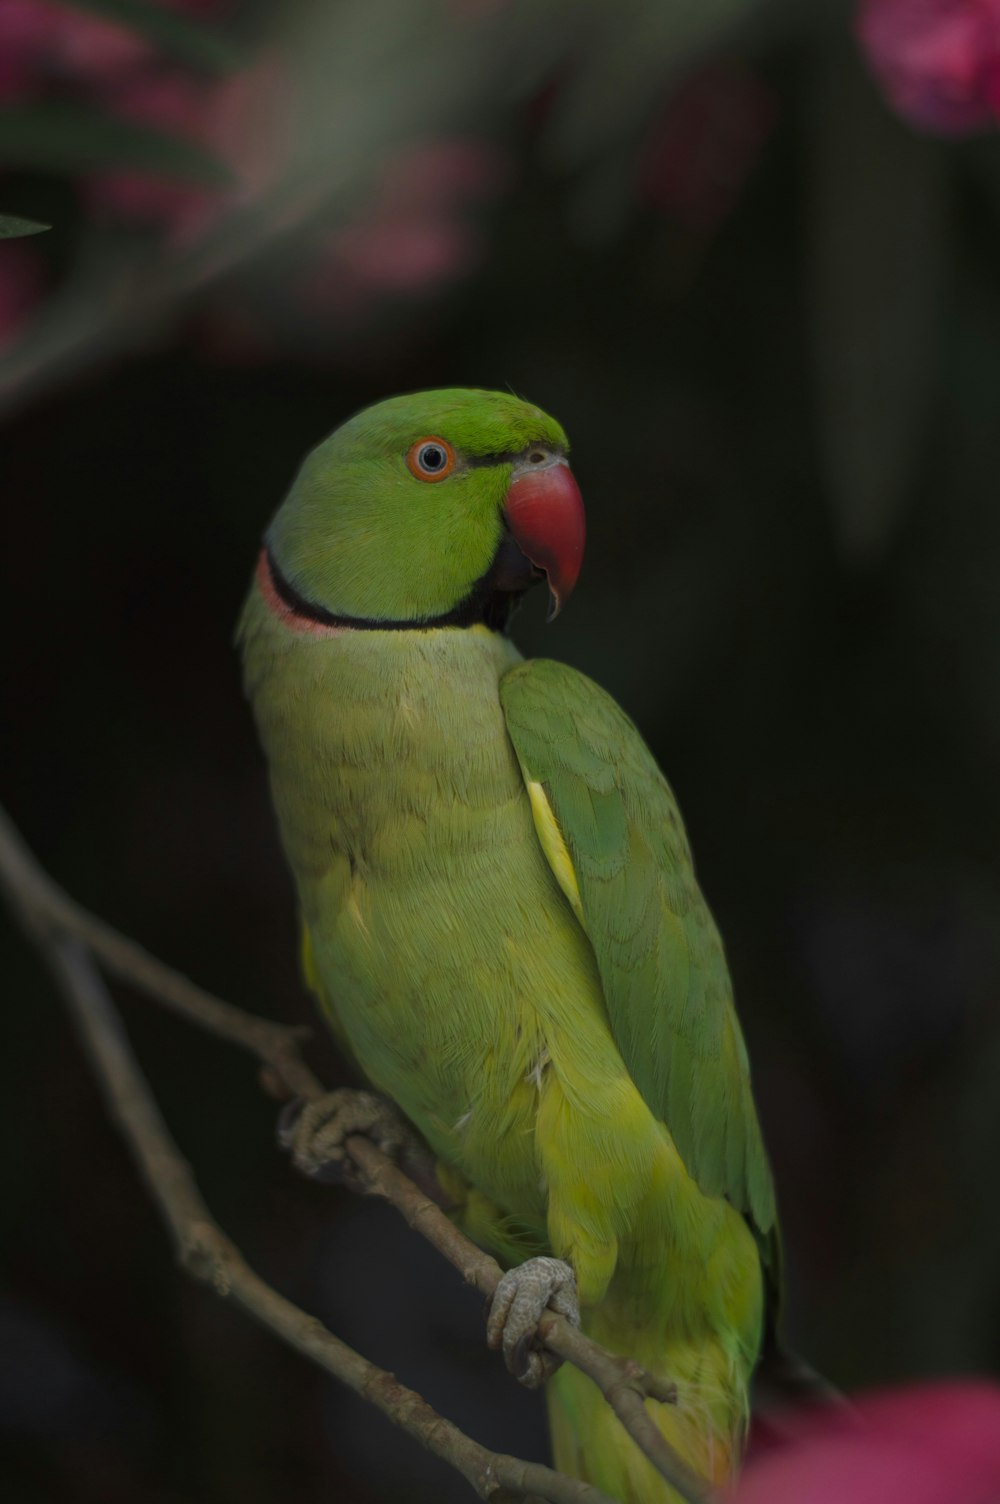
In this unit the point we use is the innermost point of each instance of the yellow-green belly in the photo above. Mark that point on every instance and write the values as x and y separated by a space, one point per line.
458 975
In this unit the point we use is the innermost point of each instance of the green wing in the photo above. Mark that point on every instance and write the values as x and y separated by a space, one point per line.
665 980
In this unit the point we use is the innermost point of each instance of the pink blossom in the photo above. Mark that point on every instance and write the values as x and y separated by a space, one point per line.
415 233
931 1444
703 147
177 104
396 254
239 121
50 49
938 61
44 43
440 175
248 125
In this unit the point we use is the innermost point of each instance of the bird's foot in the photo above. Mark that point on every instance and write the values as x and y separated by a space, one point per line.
519 1301
315 1133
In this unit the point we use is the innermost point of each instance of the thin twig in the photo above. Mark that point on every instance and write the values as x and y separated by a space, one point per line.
205 1252
50 916
46 909
624 1383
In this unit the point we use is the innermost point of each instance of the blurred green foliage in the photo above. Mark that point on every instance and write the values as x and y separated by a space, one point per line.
783 423
16 227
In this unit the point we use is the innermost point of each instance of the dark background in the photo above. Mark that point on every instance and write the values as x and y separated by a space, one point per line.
784 422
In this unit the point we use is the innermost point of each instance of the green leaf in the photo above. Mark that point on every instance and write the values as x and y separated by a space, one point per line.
75 137
14 227
188 41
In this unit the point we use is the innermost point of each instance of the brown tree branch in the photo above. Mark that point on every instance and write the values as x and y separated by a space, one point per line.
45 910
624 1383
205 1252
65 932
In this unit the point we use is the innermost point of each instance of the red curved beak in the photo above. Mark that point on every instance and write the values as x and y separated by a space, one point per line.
544 511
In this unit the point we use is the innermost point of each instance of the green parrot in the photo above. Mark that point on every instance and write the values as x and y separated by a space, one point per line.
500 915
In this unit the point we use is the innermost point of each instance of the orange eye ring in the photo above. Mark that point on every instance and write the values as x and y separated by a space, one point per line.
431 458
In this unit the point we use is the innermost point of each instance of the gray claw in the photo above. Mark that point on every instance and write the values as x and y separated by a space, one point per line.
519 1301
315 1132
288 1119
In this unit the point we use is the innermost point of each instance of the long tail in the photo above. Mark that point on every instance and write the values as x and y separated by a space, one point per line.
706 1427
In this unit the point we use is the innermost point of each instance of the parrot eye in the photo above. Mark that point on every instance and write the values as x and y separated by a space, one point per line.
430 459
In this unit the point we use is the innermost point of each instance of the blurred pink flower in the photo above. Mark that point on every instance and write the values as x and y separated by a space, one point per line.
178 104
414 234
21 286
416 231
703 146
395 253
439 175
238 120
51 49
248 123
937 61
44 43
931 1444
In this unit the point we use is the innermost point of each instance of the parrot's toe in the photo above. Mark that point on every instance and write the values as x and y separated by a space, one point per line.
519 1301
315 1132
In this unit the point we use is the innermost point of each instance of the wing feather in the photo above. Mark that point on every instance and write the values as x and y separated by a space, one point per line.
666 984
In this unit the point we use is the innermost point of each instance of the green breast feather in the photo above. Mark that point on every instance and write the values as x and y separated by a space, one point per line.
660 958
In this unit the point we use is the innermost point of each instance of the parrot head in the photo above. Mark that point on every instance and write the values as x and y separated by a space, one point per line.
438 508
